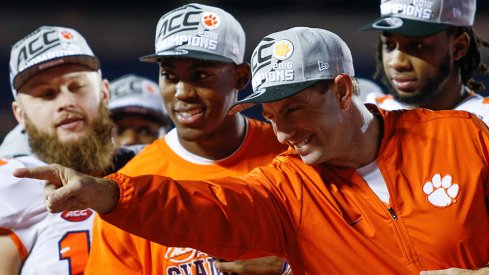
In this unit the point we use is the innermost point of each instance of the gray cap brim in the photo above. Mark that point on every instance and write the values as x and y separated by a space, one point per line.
405 26
270 94
185 54
88 61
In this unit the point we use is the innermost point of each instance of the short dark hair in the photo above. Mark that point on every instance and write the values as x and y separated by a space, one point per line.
470 64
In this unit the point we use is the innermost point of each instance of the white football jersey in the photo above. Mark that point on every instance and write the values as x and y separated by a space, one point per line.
47 243
15 143
474 103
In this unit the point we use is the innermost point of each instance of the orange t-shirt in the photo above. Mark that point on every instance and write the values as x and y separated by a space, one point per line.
326 220
117 252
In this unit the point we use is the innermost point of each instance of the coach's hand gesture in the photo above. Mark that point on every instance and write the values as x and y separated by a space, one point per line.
67 189
266 265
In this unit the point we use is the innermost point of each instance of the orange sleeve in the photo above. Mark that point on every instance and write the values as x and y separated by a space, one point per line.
118 260
17 242
219 217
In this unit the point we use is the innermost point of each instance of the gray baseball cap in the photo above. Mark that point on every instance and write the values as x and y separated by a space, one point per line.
286 62
136 94
47 47
423 17
201 32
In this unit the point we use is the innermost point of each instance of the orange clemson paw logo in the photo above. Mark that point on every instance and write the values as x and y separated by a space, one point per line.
66 35
150 89
210 20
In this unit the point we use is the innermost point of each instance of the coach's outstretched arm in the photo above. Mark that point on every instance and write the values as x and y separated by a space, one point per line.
67 189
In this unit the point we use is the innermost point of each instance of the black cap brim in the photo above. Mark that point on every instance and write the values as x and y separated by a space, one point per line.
270 94
405 26
184 54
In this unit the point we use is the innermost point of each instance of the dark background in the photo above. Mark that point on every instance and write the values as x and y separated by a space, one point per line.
119 32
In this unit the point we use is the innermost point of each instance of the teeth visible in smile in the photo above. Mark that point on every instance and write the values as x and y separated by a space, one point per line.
302 143
189 113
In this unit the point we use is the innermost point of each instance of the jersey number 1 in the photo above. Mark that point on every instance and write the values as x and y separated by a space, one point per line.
74 248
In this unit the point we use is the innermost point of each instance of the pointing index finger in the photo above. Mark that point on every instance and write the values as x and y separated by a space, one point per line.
49 173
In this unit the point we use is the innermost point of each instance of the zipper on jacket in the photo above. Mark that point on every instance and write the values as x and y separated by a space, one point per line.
398 226
393 213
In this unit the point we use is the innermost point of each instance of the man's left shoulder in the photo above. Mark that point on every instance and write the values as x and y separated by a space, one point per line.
7 167
424 115
477 105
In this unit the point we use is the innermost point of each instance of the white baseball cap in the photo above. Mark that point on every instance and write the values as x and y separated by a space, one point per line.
286 62
136 94
423 17
201 32
47 47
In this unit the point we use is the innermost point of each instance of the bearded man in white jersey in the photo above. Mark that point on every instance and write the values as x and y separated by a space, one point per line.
61 101
428 59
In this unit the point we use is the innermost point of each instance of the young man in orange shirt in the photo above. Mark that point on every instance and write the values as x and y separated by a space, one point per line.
361 190
199 50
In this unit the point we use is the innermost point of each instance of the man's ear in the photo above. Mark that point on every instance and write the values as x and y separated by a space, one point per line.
344 90
461 45
105 91
243 76
18 112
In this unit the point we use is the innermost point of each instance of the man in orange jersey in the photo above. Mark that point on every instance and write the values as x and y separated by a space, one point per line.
361 190
199 82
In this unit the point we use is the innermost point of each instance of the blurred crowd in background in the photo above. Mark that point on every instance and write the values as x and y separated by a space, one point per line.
122 31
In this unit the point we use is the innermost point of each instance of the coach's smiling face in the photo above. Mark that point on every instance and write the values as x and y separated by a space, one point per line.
316 122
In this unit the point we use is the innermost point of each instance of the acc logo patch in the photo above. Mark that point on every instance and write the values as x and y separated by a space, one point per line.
77 215
210 20
282 49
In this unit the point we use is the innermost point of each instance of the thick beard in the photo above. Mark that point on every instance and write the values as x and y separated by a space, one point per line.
91 154
427 93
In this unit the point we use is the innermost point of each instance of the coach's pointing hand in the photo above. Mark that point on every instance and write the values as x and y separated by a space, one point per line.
67 189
